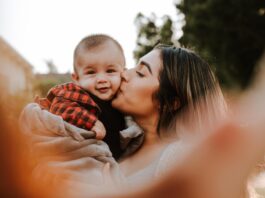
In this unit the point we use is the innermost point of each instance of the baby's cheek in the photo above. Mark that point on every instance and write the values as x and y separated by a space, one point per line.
87 84
116 82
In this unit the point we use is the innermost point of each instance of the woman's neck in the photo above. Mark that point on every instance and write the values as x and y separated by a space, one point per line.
149 126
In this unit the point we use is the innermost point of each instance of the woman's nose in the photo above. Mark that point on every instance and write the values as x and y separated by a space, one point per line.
125 75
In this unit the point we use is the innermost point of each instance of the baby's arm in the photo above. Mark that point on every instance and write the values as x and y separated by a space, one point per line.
74 113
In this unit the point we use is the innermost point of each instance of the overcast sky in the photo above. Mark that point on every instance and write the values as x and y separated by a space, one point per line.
50 29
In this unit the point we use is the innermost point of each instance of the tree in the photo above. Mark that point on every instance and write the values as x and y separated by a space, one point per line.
230 32
149 33
51 66
43 82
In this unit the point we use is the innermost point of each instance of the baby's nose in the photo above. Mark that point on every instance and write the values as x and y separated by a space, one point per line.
101 78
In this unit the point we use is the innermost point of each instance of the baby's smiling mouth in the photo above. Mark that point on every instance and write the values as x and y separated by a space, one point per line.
103 89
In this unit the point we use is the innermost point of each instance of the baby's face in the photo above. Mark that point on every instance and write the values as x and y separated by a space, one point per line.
99 70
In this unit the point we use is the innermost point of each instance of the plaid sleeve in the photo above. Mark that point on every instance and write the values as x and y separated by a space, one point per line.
43 102
74 113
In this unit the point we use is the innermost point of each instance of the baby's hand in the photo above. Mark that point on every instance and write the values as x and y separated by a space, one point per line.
99 129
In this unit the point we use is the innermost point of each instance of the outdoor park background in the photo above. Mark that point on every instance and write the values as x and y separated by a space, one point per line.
228 34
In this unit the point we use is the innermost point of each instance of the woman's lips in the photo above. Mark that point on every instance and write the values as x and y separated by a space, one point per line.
119 92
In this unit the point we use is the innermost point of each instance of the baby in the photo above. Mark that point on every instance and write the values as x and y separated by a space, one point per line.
86 102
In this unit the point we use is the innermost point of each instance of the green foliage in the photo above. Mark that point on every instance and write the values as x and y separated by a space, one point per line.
230 32
149 33
42 87
43 82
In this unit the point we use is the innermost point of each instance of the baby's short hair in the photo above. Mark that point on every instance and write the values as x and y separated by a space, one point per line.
92 41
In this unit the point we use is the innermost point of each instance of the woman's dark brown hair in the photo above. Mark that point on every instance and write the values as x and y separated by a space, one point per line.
187 86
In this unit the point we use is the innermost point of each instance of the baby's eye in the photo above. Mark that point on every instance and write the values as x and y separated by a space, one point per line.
90 72
111 70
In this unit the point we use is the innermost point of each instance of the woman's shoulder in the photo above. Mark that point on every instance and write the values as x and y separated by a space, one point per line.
171 155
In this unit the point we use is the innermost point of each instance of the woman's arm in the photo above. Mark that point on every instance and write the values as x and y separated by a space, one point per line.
217 167
59 149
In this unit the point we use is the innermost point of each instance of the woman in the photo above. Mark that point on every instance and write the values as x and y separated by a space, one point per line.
172 94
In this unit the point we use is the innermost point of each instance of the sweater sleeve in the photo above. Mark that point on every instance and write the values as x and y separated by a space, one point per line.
74 113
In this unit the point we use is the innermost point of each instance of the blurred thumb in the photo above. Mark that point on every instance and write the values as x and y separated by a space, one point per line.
106 174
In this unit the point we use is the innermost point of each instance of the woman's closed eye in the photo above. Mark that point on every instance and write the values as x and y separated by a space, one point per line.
139 74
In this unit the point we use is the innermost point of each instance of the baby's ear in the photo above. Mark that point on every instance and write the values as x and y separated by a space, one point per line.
75 77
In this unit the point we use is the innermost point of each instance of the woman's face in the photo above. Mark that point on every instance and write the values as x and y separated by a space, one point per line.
138 86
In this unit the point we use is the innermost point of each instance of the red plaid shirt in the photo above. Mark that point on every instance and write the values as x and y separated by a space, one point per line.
73 104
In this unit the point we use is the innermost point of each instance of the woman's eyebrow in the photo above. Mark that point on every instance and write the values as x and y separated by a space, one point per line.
146 65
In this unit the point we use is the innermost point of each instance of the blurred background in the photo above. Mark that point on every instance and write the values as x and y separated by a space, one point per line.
37 39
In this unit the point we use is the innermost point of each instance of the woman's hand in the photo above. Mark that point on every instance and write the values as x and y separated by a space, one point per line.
99 129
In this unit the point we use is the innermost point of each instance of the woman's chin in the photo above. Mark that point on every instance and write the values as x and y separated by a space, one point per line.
116 100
